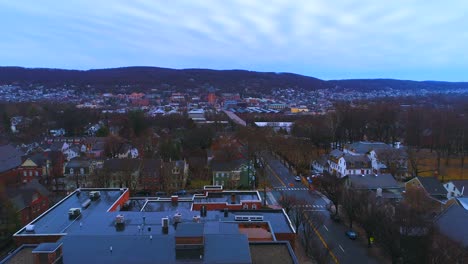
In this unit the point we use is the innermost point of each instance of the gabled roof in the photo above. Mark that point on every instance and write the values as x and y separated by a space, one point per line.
364 147
336 153
78 163
22 196
460 184
373 181
433 186
357 161
227 165
10 158
453 223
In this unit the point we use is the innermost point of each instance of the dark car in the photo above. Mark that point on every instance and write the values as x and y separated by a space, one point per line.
351 234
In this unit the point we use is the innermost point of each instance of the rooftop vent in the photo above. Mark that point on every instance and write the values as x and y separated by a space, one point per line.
248 218
86 203
196 218
203 211
177 217
165 225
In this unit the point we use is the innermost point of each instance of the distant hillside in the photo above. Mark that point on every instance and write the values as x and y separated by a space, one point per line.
144 78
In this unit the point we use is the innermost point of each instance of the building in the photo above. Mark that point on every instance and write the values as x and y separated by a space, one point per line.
30 199
233 174
36 166
456 188
383 185
77 172
211 227
342 163
10 160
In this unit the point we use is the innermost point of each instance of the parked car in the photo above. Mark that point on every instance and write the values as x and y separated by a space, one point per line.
297 178
351 234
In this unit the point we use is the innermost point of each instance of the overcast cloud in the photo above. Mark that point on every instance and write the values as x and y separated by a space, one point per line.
406 39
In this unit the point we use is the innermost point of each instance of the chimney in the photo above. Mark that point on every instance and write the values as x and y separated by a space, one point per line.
175 199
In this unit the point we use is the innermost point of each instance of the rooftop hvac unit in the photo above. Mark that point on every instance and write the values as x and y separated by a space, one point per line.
248 218
94 195
74 213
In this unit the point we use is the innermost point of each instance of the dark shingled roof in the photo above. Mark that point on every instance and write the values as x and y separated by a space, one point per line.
364 147
22 196
453 223
10 158
227 165
433 186
459 184
357 161
371 181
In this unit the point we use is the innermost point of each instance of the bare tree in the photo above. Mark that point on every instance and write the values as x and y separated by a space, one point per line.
332 187
370 215
287 202
351 201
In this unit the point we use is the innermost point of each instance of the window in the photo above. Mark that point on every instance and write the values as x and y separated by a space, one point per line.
82 170
30 173
245 206
37 173
254 206
71 171
25 173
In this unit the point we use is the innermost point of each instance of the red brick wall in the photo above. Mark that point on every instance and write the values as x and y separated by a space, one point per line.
189 240
291 237
19 240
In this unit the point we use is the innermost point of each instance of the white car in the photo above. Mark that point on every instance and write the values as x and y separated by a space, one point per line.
297 178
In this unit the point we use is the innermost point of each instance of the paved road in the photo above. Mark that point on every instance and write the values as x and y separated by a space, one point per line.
343 249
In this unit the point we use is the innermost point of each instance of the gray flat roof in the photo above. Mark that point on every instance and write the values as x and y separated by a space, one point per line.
56 221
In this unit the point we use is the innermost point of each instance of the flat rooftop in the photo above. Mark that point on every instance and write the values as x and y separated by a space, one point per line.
56 220
272 253
227 197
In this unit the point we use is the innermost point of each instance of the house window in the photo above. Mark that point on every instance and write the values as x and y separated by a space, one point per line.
30 173
71 171
254 206
245 206
175 170
25 173
82 170
37 173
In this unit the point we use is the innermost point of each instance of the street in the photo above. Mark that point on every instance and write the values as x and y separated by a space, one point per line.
331 233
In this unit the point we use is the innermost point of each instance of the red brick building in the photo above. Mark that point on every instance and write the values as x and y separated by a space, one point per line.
30 200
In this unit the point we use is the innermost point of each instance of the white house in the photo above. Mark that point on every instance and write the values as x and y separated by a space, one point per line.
342 164
456 188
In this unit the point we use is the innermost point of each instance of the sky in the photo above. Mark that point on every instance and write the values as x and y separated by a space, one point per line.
327 39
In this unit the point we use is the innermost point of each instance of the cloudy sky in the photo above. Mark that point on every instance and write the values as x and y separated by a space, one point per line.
328 39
